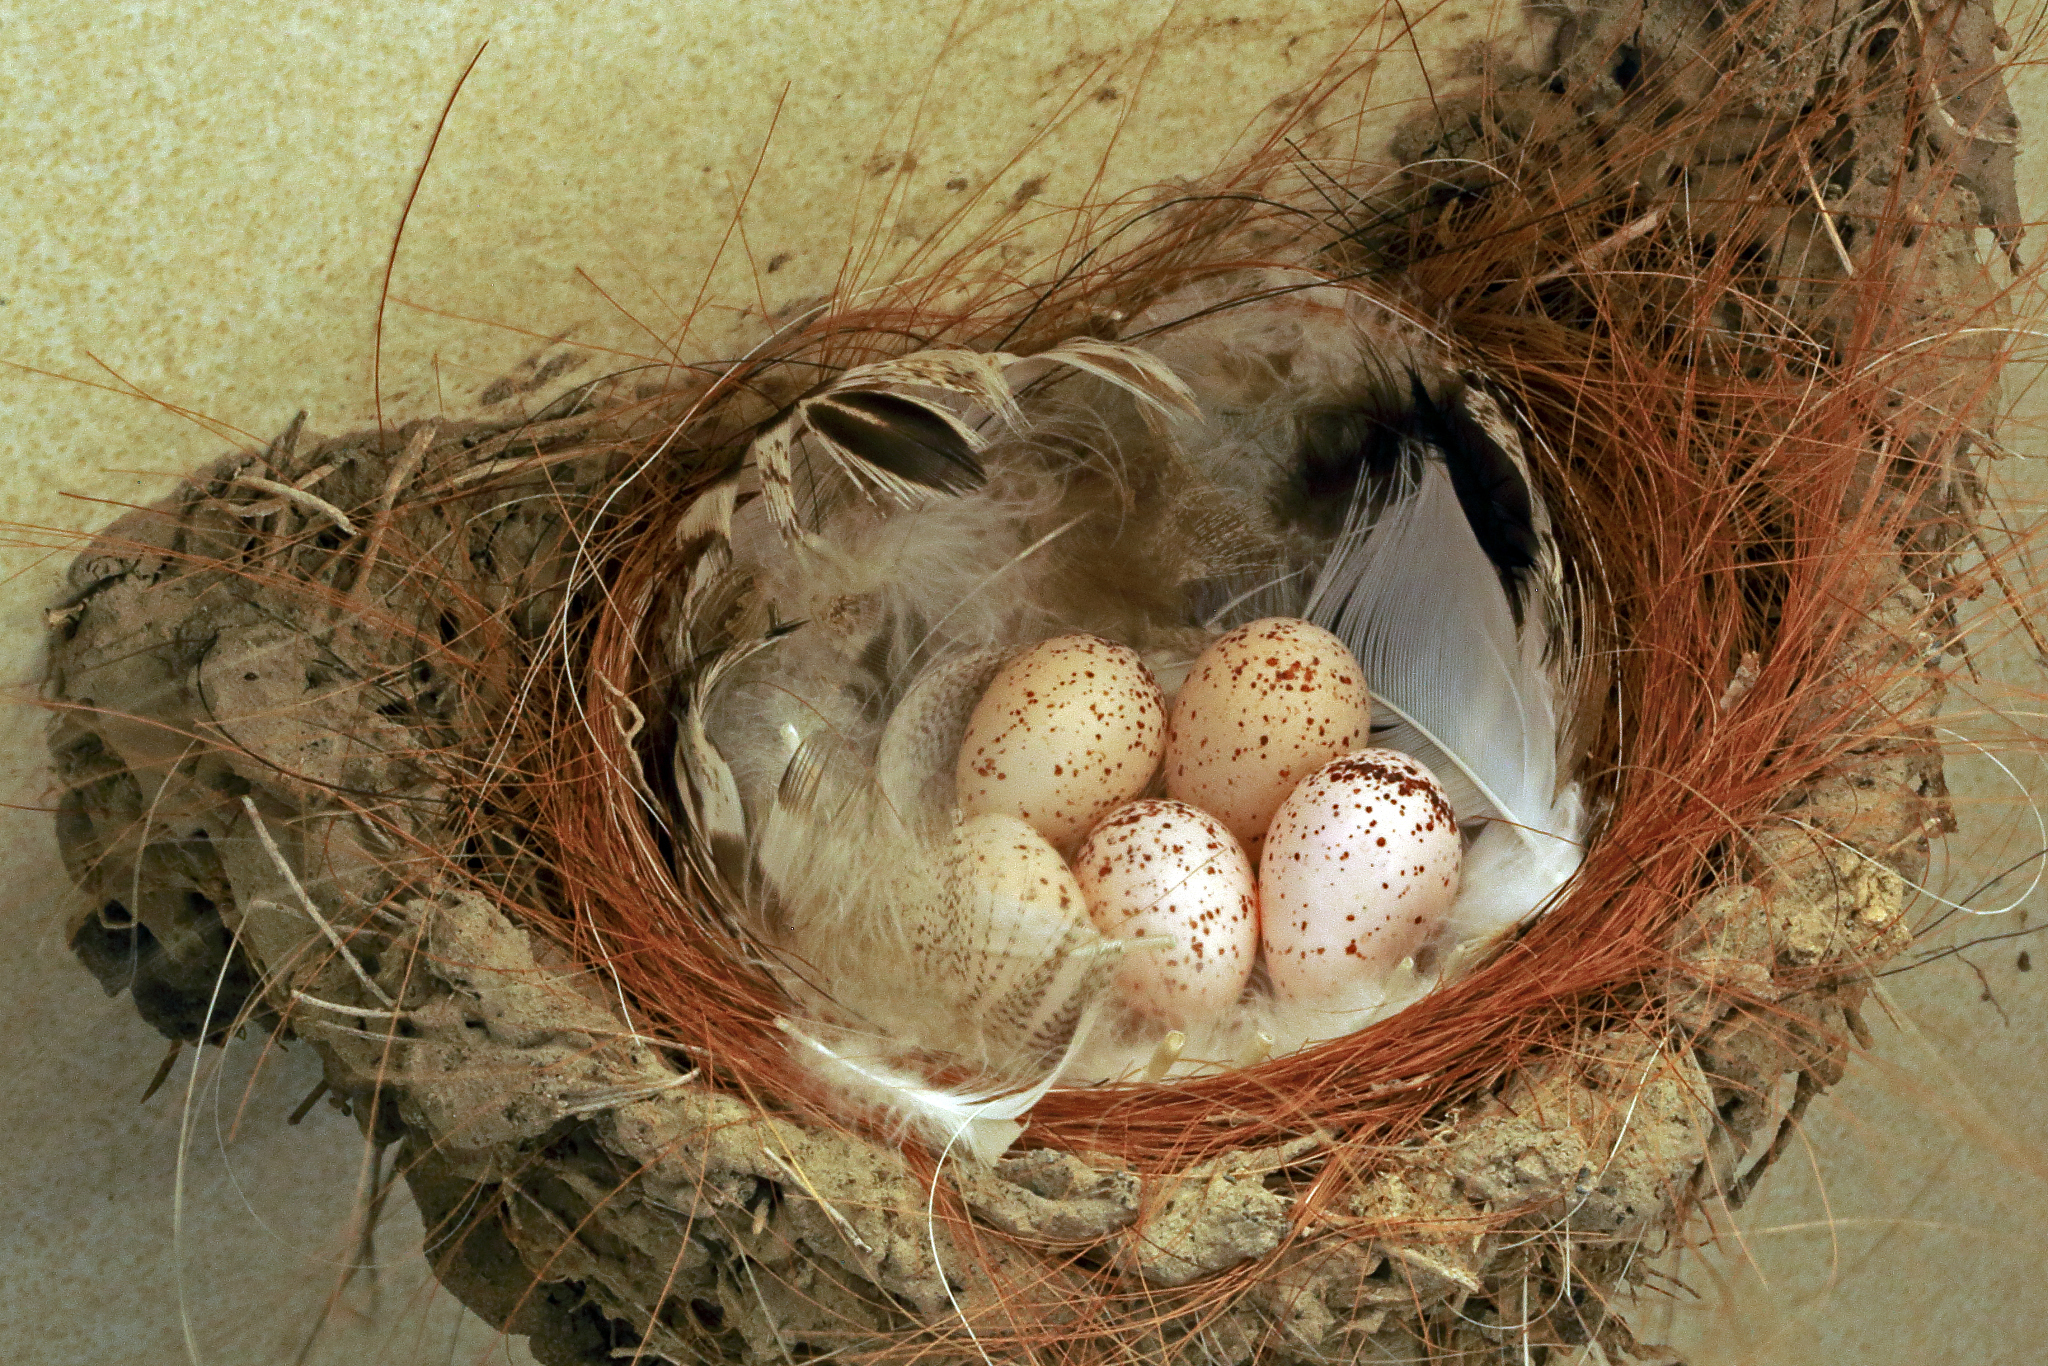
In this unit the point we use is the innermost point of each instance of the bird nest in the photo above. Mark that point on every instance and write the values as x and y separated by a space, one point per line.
369 741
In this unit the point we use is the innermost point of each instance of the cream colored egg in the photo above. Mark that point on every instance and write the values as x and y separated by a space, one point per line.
1265 706
1068 731
1359 871
1167 869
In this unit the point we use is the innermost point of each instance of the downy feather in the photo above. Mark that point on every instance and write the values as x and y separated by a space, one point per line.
984 1120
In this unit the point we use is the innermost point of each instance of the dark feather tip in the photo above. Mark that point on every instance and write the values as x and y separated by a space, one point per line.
1341 449
900 436
1364 449
1496 498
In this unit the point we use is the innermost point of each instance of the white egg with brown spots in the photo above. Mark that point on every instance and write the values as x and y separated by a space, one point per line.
1068 731
1359 871
1165 869
1265 706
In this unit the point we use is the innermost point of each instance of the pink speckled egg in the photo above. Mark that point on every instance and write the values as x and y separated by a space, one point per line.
1069 730
1360 869
1165 868
1265 706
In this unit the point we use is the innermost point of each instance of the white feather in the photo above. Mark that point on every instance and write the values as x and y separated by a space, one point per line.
984 1120
915 762
1424 610
710 793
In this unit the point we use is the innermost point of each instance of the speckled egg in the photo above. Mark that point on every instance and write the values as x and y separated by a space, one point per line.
1359 871
1265 706
1068 731
1165 868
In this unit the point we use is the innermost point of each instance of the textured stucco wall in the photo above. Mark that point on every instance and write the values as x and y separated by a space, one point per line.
201 200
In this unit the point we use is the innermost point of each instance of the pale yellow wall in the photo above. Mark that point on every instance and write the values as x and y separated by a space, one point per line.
201 197
1908 1222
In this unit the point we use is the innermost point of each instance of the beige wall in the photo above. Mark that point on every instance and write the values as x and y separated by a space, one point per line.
202 198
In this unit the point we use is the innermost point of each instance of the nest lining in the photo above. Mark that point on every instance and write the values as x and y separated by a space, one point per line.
228 666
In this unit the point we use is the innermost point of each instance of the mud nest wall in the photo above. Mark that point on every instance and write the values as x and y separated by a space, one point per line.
307 715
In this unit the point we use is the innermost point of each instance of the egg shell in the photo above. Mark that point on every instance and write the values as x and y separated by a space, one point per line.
1009 945
1165 868
1359 871
1068 731
1265 706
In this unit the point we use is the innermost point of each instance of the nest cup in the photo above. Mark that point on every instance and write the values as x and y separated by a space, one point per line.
371 740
